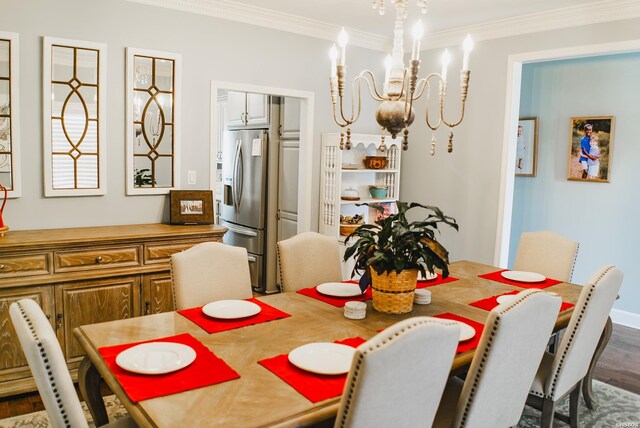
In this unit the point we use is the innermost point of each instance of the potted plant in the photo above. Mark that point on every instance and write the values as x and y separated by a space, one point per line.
390 252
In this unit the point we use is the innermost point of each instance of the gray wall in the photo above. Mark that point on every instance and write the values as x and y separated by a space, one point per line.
211 49
601 216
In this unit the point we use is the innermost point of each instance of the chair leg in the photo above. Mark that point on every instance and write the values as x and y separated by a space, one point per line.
573 406
587 392
548 410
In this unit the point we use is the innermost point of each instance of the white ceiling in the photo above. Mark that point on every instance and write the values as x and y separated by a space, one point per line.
446 23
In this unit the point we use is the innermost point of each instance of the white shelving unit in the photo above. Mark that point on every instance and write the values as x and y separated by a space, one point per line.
335 180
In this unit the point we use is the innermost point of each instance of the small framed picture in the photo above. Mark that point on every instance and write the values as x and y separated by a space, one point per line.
527 147
590 147
191 207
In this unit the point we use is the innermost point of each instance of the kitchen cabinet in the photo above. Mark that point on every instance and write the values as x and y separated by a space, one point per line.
290 118
247 109
344 174
83 276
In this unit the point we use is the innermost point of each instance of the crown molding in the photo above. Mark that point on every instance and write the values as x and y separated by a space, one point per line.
573 16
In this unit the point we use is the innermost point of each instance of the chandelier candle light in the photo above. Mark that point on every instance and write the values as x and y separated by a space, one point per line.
401 86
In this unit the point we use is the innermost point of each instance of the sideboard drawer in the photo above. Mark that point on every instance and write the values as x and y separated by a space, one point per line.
30 264
97 258
160 252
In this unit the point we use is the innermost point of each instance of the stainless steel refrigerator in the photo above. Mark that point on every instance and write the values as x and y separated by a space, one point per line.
244 204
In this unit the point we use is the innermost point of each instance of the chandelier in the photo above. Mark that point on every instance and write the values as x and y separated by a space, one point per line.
401 85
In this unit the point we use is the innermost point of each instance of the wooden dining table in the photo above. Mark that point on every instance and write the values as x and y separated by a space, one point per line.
258 397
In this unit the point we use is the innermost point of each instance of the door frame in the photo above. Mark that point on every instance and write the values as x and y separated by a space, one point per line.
512 108
306 139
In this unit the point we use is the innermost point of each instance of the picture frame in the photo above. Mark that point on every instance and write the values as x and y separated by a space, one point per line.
600 143
527 147
191 206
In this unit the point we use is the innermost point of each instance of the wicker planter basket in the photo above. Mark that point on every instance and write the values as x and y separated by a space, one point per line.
393 293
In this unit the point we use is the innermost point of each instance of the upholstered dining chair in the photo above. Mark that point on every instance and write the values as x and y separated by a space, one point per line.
48 366
561 373
210 271
397 377
548 253
508 354
307 260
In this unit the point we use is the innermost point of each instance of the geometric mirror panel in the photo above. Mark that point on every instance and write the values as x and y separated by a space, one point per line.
9 124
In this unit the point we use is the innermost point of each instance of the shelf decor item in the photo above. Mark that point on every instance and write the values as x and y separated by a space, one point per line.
375 162
3 227
378 192
390 253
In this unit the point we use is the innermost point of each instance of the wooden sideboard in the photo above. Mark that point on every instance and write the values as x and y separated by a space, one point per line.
84 276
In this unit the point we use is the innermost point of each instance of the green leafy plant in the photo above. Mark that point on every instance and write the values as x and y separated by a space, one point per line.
394 243
142 177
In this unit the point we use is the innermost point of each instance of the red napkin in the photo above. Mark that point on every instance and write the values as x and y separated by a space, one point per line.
213 325
496 276
423 283
315 387
469 344
207 369
491 302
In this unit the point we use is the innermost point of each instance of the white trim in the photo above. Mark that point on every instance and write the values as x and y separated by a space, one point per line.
47 43
512 107
14 99
306 140
572 16
629 319
177 124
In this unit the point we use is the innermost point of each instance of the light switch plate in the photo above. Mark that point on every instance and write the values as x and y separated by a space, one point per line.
191 177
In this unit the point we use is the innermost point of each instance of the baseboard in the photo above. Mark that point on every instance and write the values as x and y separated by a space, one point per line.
629 319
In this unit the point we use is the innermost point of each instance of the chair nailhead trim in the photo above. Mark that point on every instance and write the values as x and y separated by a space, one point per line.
45 360
575 258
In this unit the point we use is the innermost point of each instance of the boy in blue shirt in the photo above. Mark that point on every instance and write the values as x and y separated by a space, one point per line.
585 146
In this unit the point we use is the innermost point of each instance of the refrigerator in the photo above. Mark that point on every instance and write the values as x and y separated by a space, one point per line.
244 202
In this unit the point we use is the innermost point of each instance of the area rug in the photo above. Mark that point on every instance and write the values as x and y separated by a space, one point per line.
115 410
617 408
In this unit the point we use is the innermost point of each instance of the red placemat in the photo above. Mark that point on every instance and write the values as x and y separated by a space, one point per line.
423 283
469 344
491 302
496 276
213 325
315 387
207 369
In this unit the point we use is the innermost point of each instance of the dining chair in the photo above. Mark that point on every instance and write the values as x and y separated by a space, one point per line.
508 354
561 374
210 271
548 253
307 260
49 368
397 377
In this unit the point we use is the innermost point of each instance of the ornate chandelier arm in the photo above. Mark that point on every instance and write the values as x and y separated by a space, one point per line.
371 84
428 86
464 88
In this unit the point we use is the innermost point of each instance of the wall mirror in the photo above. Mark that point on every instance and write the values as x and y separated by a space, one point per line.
74 115
9 125
153 121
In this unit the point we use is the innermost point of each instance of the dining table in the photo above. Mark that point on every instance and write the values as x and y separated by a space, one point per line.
256 396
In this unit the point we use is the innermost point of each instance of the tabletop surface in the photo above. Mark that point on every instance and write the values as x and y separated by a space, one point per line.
258 397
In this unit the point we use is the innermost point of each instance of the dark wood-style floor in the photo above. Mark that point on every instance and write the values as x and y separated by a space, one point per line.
617 366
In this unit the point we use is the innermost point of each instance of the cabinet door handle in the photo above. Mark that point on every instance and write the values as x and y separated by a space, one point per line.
99 259
59 320
1 267
147 307
48 316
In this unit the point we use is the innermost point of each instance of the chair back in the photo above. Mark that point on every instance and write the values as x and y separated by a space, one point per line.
548 253
514 339
397 377
47 364
307 260
580 340
210 271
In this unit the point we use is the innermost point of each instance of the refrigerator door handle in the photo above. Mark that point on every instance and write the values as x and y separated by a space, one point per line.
234 190
241 230
252 259
239 179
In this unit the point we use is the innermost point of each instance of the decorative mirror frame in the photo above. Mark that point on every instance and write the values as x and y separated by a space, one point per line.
47 95
14 112
175 123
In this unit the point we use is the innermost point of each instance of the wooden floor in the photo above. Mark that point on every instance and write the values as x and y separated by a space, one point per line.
617 366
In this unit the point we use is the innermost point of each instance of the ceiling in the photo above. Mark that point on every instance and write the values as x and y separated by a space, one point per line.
446 23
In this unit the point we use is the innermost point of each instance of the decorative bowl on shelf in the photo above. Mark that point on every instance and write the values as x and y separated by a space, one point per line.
375 162
350 194
347 229
378 192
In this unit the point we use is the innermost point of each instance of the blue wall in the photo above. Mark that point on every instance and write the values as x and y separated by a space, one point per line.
603 217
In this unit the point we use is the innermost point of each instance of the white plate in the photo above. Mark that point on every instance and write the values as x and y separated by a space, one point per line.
156 357
466 331
506 299
339 289
231 309
522 276
429 276
323 358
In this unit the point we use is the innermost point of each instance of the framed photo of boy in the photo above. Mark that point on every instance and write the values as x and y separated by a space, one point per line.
527 147
590 147
191 207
